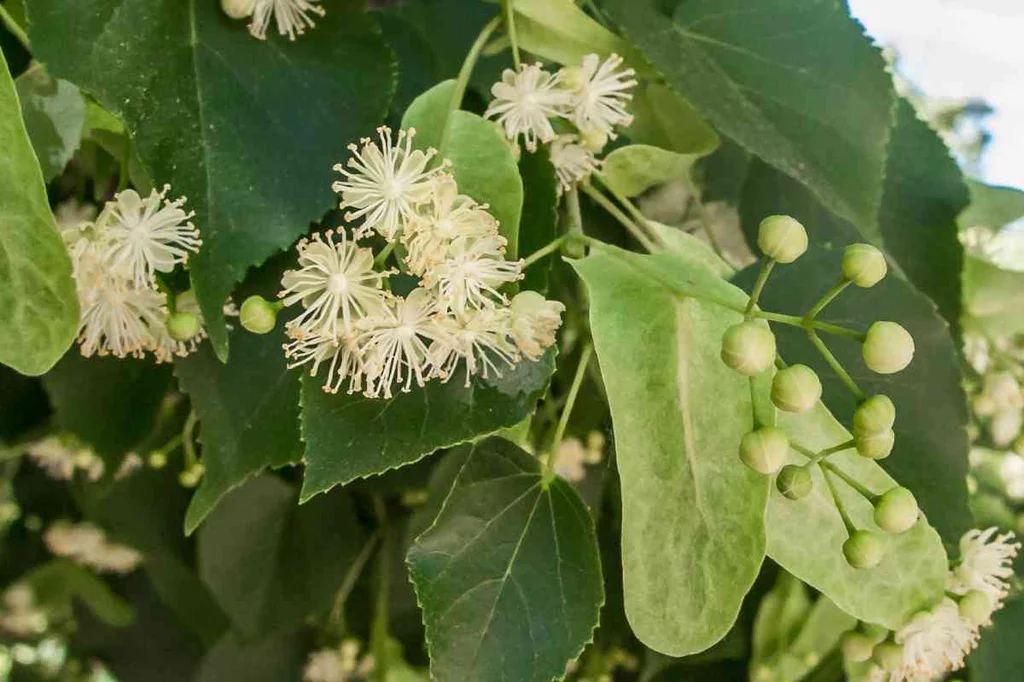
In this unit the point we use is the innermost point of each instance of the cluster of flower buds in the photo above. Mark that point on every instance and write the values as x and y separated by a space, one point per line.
749 348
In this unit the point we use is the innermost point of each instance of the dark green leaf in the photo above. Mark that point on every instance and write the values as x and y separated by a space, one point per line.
278 657
418 67
58 583
110 403
23 403
539 224
248 412
351 436
508 575
38 304
246 129
999 656
54 112
271 564
663 118
793 81
930 456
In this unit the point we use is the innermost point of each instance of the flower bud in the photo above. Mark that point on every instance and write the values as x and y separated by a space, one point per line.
258 315
794 482
857 647
190 477
571 77
863 549
976 608
896 510
157 459
182 326
748 347
877 446
238 9
888 655
877 633
888 348
864 265
593 139
765 449
782 238
875 415
796 389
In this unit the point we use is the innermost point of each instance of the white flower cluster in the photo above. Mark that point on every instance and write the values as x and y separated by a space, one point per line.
592 97
340 664
87 544
572 457
937 641
373 339
292 17
61 456
20 615
1001 402
115 260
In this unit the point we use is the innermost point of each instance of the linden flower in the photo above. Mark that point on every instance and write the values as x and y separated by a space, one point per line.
572 161
146 235
524 101
934 643
480 338
86 544
335 281
341 355
533 323
472 273
600 93
986 564
118 319
291 16
395 343
447 216
21 615
386 182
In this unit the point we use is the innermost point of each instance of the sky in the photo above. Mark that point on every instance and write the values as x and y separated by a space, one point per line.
963 48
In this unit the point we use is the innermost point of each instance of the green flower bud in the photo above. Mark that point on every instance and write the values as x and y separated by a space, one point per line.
864 265
765 449
182 326
782 238
794 482
571 77
896 510
857 647
748 347
258 315
976 608
190 477
875 415
593 139
888 348
877 633
888 655
796 389
157 459
877 446
237 9
863 549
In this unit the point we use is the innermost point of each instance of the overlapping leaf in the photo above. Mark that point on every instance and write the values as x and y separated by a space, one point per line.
54 112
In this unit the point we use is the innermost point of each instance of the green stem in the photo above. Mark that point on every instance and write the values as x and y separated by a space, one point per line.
553 246
336 619
510 28
850 481
170 446
574 389
804 323
762 278
15 30
702 217
826 299
753 403
630 226
382 257
188 439
463 80
834 364
572 203
820 455
850 528
379 628
639 219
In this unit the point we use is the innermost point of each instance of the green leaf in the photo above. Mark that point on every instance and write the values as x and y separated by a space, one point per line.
780 616
793 81
58 583
999 655
54 113
38 303
539 225
246 129
818 633
248 411
930 456
271 564
278 657
636 168
110 403
351 436
992 207
992 298
805 537
663 118
482 160
692 514
508 575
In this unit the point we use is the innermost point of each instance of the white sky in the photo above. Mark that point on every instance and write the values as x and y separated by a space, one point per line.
963 48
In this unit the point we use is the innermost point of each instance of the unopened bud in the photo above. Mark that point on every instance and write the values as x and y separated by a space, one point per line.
888 655
864 265
190 477
593 139
896 511
157 459
258 315
863 549
238 9
877 633
765 449
857 647
782 238
976 608
877 446
875 415
748 347
183 326
796 389
794 482
888 348
571 77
